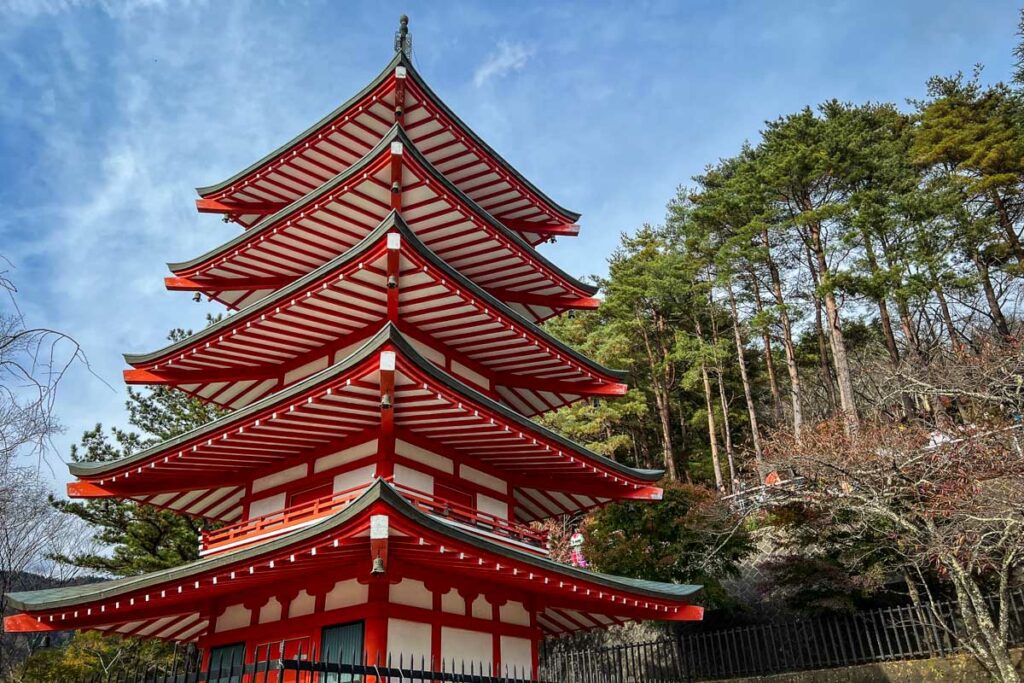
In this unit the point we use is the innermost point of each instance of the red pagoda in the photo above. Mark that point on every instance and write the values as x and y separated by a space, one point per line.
373 486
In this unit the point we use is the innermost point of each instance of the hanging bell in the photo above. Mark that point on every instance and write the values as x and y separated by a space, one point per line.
378 565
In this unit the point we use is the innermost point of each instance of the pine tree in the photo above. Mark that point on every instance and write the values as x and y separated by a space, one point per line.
140 538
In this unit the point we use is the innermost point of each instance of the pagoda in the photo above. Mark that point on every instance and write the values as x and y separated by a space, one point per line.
371 488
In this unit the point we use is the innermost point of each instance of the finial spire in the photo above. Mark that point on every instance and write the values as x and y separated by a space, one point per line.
403 41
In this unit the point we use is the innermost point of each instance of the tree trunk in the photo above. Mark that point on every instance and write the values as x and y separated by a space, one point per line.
719 375
787 339
839 356
990 293
712 429
712 435
983 639
730 455
947 318
684 458
827 380
769 356
666 434
661 401
741 362
883 307
885 322
1006 223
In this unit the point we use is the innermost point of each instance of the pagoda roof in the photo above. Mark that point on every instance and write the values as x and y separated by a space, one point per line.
345 300
156 604
337 214
200 472
336 141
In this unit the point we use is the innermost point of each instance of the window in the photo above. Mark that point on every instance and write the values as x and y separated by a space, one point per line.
223 659
342 643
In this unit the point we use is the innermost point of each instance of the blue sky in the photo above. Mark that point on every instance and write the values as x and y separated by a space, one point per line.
112 112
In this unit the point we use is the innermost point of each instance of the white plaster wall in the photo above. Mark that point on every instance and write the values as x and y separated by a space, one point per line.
301 605
424 457
453 603
347 455
516 654
235 616
345 594
270 611
408 639
361 476
412 593
468 646
473 377
481 608
477 477
343 353
265 506
414 479
306 370
513 612
430 354
492 506
277 478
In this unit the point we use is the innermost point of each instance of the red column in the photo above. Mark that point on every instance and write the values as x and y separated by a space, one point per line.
375 634
386 437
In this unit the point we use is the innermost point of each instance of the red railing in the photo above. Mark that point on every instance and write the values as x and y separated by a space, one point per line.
473 517
276 522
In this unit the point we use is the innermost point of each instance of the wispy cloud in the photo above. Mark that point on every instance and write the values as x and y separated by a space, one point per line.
507 58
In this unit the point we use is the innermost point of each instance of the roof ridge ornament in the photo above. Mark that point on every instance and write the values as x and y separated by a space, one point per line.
403 41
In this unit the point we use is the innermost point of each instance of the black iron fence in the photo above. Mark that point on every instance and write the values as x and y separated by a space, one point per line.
657 661
881 635
889 634
187 667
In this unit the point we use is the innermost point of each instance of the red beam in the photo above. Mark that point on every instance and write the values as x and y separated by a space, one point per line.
23 623
86 489
262 208
184 284
562 229
582 302
688 613
646 493
559 387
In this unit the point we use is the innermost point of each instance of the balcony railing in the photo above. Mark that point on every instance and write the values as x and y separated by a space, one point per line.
275 523
265 526
477 518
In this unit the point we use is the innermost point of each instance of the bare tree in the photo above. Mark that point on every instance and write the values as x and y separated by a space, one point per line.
951 506
32 363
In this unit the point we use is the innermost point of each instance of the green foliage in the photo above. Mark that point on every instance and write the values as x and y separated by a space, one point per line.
139 538
91 654
689 537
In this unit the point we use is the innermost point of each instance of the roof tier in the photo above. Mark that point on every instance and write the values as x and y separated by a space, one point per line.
393 174
202 472
398 95
164 604
308 324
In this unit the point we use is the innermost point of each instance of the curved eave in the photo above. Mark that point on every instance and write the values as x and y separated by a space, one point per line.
388 334
398 60
351 102
391 221
396 134
380 491
571 216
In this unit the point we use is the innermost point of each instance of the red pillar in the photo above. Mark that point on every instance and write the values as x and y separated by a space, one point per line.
375 634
